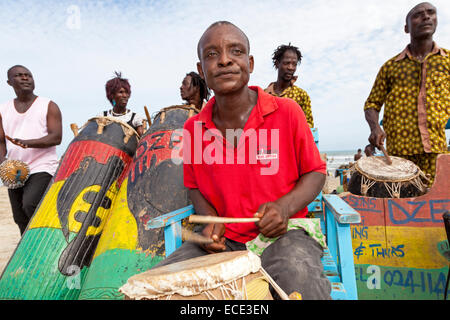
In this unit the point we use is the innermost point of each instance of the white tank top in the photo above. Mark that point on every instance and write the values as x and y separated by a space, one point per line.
31 124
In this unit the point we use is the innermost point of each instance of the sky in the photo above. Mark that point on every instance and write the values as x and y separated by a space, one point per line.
73 47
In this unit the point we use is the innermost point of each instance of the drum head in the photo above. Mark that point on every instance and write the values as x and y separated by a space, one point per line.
193 276
377 169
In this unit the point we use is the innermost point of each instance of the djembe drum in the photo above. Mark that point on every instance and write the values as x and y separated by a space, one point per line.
14 173
373 177
235 275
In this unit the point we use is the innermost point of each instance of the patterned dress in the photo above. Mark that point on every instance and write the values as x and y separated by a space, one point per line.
416 99
298 95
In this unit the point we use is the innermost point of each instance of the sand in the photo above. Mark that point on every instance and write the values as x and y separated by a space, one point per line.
9 231
331 183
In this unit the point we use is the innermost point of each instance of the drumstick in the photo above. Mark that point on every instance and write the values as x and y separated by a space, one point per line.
275 286
386 156
148 116
212 219
188 235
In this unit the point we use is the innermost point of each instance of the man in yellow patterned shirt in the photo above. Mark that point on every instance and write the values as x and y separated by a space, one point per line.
285 59
414 87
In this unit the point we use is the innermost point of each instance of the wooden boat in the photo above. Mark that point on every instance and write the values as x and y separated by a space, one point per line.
400 248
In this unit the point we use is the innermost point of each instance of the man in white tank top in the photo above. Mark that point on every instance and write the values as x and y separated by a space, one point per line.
30 130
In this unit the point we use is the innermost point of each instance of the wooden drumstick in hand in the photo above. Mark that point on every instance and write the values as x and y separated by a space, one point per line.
188 235
386 156
212 219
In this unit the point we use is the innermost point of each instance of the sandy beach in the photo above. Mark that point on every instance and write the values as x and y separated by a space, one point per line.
9 231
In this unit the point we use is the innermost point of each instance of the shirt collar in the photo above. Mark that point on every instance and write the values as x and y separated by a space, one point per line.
407 53
265 105
271 88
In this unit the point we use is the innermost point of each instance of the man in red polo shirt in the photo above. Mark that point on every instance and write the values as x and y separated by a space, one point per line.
249 153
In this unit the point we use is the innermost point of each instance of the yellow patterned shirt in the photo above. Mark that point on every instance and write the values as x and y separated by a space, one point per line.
298 95
416 98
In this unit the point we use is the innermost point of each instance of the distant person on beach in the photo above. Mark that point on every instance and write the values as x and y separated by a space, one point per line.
32 126
194 90
414 88
369 150
118 92
285 59
357 156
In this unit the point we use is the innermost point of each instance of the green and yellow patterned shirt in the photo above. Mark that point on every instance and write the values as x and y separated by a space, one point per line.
416 98
298 95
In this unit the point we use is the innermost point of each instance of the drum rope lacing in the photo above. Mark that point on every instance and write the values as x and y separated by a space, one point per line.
229 291
368 181
162 112
105 121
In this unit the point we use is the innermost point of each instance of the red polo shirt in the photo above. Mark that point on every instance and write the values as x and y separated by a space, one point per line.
275 148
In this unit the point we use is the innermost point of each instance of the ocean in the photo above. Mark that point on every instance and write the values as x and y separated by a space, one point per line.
338 157
335 158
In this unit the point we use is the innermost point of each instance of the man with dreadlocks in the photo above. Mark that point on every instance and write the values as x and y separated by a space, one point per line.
118 91
285 59
194 91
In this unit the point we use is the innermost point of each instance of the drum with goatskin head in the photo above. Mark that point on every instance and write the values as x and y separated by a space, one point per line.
373 177
235 275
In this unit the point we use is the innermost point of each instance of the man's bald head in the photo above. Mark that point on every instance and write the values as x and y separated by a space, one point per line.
10 70
414 9
217 24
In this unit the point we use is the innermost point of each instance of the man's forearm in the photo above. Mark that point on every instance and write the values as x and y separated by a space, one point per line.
305 191
372 118
2 152
49 140
201 205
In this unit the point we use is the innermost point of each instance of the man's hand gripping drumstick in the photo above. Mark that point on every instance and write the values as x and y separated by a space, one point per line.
214 231
273 219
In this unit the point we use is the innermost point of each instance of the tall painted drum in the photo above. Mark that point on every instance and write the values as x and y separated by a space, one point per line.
152 186
55 252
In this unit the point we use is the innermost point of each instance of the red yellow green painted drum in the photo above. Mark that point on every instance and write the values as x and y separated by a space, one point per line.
152 186
400 248
55 252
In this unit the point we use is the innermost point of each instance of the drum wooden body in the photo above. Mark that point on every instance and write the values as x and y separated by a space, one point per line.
157 177
372 177
235 275
56 250
152 186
